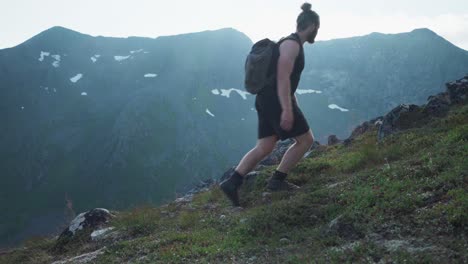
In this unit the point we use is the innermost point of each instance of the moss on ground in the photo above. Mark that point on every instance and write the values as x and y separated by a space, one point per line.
400 200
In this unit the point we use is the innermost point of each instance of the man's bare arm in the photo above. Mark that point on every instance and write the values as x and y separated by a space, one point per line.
289 50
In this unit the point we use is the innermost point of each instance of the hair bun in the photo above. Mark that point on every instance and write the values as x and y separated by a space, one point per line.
306 7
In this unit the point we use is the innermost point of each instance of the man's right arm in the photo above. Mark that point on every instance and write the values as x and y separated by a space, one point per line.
289 49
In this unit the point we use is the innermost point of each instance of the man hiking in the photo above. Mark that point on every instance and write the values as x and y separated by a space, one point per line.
279 116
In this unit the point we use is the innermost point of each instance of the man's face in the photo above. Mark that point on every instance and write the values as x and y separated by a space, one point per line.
313 30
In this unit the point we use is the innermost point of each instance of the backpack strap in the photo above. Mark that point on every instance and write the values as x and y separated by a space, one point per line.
293 37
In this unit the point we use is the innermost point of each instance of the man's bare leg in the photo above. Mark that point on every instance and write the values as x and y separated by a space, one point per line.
230 186
250 160
296 151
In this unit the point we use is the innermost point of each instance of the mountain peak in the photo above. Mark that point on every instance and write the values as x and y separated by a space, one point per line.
56 34
423 31
59 31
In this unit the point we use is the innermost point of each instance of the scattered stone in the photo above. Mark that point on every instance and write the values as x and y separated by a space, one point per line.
284 240
100 233
348 246
222 217
84 258
253 258
201 186
266 197
427 195
142 258
397 244
210 206
333 185
236 209
250 177
184 199
344 228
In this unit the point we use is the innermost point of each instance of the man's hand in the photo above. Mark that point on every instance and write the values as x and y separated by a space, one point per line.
287 119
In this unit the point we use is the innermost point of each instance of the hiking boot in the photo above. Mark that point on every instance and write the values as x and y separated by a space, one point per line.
277 185
277 182
230 187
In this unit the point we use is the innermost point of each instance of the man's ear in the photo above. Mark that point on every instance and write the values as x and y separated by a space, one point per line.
312 28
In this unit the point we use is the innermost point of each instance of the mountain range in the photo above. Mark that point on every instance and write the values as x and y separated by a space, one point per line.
116 122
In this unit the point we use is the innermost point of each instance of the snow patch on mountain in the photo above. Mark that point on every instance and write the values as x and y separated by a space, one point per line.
43 54
227 92
121 58
305 91
334 106
95 57
208 112
56 63
76 78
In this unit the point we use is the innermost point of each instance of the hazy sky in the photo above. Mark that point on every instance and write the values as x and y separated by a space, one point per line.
22 19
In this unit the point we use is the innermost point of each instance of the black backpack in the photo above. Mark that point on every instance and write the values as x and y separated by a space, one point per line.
260 64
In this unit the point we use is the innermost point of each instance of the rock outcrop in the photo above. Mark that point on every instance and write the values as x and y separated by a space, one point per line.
401 117
405 116
333 140
84 225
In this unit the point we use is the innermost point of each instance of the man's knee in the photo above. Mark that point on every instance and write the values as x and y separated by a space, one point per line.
306 138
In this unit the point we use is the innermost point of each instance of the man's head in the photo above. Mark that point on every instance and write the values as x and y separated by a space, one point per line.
308 23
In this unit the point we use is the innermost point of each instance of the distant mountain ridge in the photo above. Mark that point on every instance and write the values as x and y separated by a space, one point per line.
372 73
95 118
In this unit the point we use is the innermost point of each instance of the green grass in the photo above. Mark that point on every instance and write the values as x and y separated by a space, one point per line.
412 185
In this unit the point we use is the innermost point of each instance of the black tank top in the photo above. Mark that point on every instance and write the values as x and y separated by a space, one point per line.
295 76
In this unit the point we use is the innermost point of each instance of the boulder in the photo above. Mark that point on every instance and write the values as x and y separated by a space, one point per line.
458 91
343 227
333 140
82 226
363 128
401 117
437 105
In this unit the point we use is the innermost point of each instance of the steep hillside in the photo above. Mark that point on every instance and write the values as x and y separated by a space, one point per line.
394 192
116 122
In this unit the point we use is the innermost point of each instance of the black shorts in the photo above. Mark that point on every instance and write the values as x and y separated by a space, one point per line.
269 119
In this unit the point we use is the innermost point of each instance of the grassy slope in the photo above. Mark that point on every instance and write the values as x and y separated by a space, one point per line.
402 200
